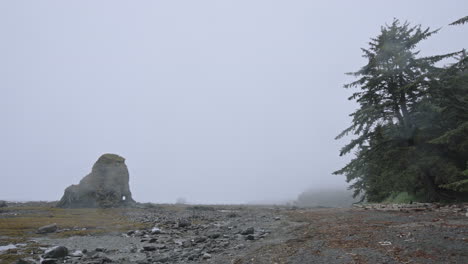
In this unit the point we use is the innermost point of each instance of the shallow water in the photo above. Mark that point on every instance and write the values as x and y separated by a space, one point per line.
7 247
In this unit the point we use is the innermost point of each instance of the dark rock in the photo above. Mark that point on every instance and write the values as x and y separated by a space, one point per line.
232 215
149 248
183 223
214 235
106 186
47 229
249 237
56 252
248 231
199 239
3 204
162 258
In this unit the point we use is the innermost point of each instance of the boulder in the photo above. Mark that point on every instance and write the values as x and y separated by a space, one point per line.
47 229
106 186
56 252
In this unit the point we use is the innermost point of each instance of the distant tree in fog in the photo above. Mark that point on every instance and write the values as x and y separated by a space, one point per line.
181 200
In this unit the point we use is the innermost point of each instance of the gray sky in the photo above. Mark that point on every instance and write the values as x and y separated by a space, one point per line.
214 101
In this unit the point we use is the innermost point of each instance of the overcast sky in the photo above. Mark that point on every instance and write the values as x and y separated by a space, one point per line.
214 101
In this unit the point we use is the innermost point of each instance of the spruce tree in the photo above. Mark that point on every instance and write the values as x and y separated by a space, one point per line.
450 93
393 153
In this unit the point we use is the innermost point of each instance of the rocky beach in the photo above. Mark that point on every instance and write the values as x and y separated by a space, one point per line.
152 233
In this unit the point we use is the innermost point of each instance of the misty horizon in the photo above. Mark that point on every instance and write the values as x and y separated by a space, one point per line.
217 103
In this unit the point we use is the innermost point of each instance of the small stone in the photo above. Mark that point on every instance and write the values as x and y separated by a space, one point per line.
232 215
47 229
183 223
49 261
277 218
162 258
200 239
101 257
240 246
56 252
138 233
149 248
249 237
77 253
187 243
214 235
248 231
224 244
206 256
160 246
155 231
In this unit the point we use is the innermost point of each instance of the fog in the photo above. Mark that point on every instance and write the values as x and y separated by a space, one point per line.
212 101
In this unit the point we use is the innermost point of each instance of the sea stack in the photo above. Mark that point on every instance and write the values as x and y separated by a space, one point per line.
106 186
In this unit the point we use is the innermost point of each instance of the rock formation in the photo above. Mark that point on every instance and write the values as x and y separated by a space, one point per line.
106 186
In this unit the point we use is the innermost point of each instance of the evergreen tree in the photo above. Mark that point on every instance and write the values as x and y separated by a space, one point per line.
398 147
450 93
460 21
